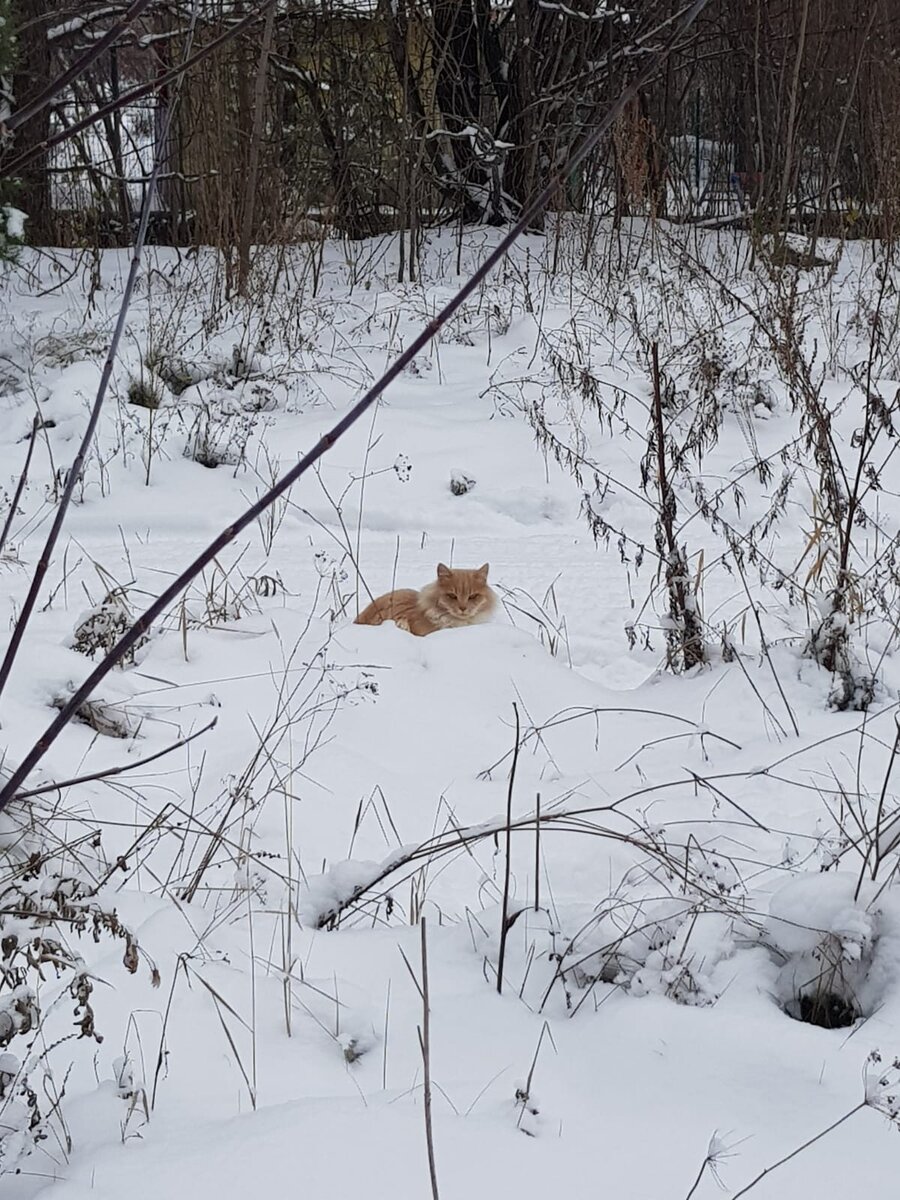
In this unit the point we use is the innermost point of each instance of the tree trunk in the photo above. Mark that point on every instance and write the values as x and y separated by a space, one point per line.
33 70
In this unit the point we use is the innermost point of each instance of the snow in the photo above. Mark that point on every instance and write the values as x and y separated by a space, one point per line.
71 26
695 854
15 223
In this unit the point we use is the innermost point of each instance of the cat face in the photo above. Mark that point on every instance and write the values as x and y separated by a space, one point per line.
463 595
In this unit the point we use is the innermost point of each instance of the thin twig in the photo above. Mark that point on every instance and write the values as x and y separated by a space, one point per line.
799 1149
256 137
20 486
763 641
111 771
504 915
874 847
425 1043
706 1162
537 853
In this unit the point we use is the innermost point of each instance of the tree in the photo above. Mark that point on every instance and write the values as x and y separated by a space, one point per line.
10 218
31 69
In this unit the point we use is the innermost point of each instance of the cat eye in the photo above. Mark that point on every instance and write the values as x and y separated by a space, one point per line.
452 595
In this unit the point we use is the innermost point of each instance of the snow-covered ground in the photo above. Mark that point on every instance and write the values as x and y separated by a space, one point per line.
702 842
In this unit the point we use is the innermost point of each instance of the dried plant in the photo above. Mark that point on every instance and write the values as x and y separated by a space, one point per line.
49 898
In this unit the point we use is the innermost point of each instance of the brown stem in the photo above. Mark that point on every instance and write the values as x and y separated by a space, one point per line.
680 599
865 450
839 140
792 117
504 914
874 848
9 170
537 853
96 776
799 1150
259 115
20 486
425 1040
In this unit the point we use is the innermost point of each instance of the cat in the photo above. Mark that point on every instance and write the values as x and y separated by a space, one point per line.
454 599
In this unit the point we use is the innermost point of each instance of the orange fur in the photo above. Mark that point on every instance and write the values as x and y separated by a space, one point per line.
455 598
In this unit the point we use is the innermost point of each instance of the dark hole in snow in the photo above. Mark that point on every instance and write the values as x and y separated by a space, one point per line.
828 1010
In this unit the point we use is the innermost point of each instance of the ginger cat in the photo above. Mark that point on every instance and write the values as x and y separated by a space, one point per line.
455 598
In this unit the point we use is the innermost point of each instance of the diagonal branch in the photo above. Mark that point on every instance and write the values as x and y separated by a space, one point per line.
110 772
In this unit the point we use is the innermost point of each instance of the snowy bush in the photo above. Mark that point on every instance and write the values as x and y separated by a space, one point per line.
643 946
46 899
144 394
221 428
12 231
326 896
98 630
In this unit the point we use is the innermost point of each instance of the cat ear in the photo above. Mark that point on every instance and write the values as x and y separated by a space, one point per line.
443 572
483 571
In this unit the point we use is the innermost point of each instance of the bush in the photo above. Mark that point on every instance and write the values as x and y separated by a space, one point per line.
48 900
